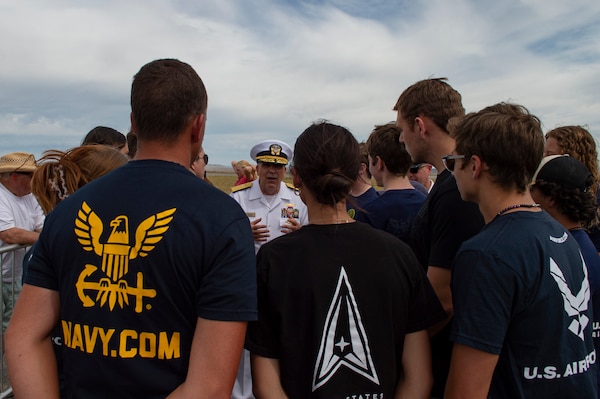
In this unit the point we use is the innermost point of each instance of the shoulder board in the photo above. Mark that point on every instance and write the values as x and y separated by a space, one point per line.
290 185
241 187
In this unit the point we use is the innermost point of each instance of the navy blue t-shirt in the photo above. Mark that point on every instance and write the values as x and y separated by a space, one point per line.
520 290
592 261
137 257
356 205
394 212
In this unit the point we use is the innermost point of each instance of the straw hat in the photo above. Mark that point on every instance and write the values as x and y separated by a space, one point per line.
17 162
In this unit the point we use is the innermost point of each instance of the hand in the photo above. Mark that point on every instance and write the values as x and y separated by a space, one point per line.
291 225
259 231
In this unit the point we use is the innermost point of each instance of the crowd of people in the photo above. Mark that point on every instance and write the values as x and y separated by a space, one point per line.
483 282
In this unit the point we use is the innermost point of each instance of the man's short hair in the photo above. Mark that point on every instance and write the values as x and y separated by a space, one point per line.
507 138
364 156
384 143
432 98
106 136
165 95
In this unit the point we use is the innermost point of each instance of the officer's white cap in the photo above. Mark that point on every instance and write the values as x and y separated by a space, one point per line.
272 151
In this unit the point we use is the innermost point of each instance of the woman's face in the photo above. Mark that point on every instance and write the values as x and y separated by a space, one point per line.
552 147
239 171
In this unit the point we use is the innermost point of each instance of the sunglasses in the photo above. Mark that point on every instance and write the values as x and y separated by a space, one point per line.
415 169
450 161
29 174
205 159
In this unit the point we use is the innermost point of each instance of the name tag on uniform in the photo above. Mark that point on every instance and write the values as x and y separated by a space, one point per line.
251 214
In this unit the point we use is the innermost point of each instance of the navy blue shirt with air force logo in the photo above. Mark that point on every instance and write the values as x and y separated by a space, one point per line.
520 290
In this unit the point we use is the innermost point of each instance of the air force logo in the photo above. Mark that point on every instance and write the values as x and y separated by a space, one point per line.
574 304
116 253
344 340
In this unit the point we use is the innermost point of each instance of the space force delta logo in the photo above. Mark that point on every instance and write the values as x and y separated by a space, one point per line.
344 342
112 288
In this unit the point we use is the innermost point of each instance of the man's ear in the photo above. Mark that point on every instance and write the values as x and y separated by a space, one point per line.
477 166
296 180
198 128
379 164
421 125
133 128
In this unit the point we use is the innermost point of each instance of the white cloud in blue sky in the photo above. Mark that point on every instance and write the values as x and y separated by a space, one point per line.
273 67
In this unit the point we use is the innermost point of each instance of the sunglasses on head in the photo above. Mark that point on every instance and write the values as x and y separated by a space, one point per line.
450 161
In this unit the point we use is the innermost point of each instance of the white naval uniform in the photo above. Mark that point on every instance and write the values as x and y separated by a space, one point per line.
254 203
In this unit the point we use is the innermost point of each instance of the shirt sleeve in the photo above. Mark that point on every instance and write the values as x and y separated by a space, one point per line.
262 337
426 309
454 221
483 291
228 290
40 271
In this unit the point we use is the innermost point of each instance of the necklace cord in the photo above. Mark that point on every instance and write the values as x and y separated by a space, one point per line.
508 208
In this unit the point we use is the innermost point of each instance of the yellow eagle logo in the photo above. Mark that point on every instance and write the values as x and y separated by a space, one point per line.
275 149
116 254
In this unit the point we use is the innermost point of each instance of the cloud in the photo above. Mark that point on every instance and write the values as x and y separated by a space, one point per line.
272 67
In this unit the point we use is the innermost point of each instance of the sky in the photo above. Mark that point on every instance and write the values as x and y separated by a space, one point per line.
271 68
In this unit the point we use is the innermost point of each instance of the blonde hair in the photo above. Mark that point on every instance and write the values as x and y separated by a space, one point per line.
247 167
60 174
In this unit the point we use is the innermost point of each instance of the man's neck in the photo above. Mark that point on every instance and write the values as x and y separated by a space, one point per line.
10 188
163 152
495 199
359 188
393 182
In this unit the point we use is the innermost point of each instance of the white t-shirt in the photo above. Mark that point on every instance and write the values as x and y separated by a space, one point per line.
21 212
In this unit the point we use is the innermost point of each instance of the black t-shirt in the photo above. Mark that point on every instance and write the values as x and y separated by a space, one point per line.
440 227
443 223
137 256
521 291
335 303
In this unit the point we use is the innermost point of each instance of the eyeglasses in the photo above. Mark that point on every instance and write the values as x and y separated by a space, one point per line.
415 168
450 161
205 159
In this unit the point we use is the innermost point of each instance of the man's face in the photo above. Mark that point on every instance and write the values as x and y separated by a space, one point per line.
463 179
270 176
22 183
199 165
420 173
410 136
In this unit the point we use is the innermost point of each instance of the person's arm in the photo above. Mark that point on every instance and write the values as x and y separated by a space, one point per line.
470 374
29 353
214 360
15 235
266 379
417 379
440 281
